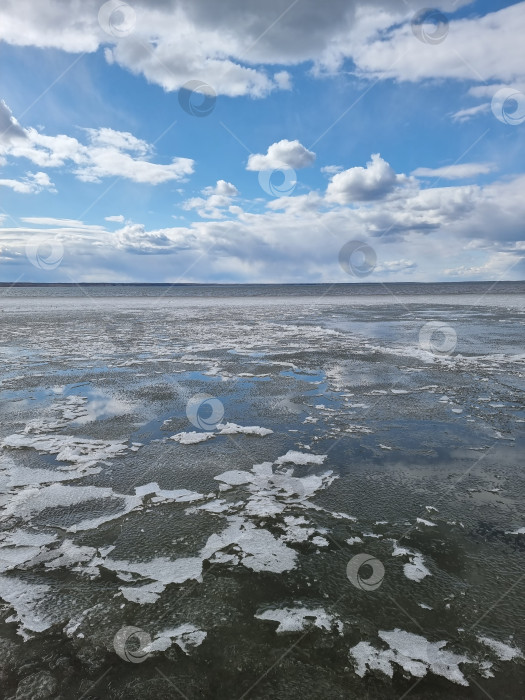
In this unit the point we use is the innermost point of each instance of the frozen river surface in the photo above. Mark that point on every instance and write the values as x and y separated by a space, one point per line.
262 498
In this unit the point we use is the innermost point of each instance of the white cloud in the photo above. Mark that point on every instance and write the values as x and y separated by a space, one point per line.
458 171
108 153
121 140
376 181
118 218
395 266
458 232
476 48
134 238
218 198
10 129
284 153
174 41
222 188
331 169
110 162
62 223
463 115
283 80
32 183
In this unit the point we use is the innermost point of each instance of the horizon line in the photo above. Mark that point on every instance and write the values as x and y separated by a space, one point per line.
240 284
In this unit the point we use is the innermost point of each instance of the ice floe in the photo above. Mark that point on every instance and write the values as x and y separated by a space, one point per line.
415 568
31 501
234 429
354 540
185 636
297 619
192 438
428 523
295 457
241 542
413 653
82 452
24 598
504 652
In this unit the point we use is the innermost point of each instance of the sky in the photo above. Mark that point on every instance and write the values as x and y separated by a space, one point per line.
284 141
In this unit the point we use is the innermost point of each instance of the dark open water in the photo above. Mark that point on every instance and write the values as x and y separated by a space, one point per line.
263 290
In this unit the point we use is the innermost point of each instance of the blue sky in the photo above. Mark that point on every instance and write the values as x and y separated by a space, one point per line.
400 130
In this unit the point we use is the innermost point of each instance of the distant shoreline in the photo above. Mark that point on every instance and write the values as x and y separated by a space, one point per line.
245 284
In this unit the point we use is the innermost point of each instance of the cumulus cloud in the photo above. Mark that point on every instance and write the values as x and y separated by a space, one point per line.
222 189
458 171
476 48
10 129
134 238
117 218
172 41
32 183
358 184
107 153
465 232
284 153
217 198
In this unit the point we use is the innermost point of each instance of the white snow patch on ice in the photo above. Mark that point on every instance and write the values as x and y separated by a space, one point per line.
428 523
234 429
185 636
413 653
192 438
24 598
297 619
82 452
415 569
295 457
504 652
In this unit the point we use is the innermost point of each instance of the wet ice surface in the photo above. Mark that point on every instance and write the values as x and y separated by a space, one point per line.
228 543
